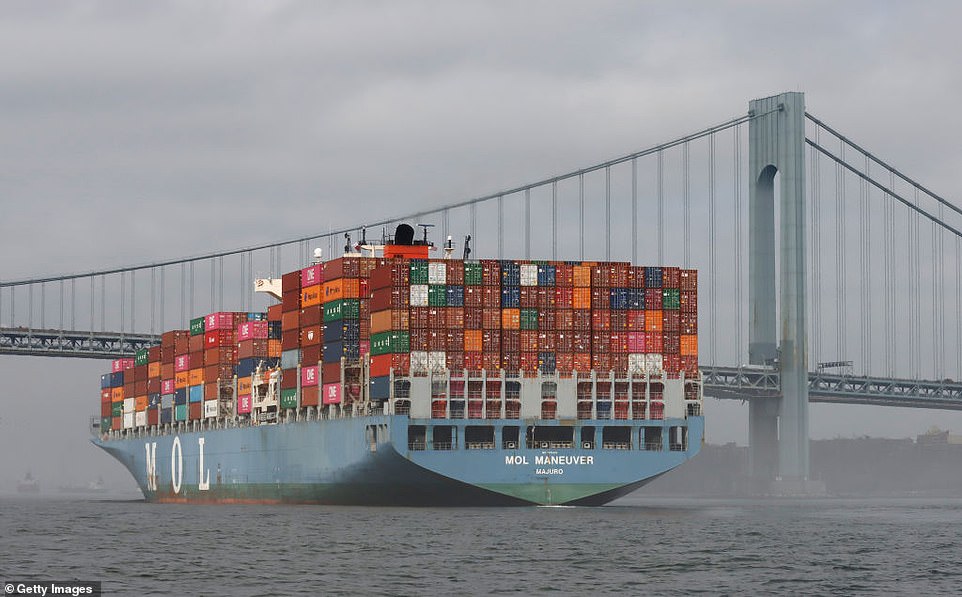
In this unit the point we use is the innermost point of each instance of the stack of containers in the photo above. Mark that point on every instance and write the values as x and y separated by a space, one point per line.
390 324
173 377
310 340
290 336
189 374
345 306
114 382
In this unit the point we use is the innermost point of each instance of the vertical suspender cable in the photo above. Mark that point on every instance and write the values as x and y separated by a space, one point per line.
153 294
958 307
915 293
183 293
61 305
711 244
73 304
661 210
686 197
527 223
554 219
103 303
500 227
133 295
816 269
123 301
581 214
608 214
163 293
474 217
43 305
634 211
92 302
865 266
190 291
220 282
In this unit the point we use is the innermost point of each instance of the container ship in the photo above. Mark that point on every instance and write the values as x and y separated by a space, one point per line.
388 377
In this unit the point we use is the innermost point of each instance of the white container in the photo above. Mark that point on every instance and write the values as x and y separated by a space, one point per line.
128 420
140 418
529 274
210 409
419 361
419 295
437 361
655 363
129 405
437 273
166 400
637 363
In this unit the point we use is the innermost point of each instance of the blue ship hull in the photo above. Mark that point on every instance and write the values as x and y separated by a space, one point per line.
370 461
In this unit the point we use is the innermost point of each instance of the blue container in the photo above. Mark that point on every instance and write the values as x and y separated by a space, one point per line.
546 275
105 381
381 387
153 400
257 317
117 379
166 416
510 297
652 277
333 351
618 298
274 330
455 296
338 331
547 362
636 298
510 273
166 400
180 396
195 393
604 409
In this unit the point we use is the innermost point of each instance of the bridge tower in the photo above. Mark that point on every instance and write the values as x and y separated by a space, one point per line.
778 428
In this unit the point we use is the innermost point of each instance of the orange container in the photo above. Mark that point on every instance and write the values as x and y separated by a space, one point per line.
116 394
653 320
380 321
153 370
581 297
511 319
140 403
689 345
340 289
311 296
274 348
243 386
181 379
290 320
195 377
581 275
472 340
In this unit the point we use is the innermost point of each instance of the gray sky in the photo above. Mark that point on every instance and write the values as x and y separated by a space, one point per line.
133 132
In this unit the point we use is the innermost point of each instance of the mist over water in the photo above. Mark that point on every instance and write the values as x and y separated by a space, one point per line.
636 546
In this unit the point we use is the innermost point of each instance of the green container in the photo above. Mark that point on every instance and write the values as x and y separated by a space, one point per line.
390 342
529 319
180 412
117 409
196 328
342 309
104 423
141 357
419 271
437 295
670 299
289 398
473 274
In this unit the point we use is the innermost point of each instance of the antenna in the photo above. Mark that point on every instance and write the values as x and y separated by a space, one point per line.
424 228
448 247
467 246
347 243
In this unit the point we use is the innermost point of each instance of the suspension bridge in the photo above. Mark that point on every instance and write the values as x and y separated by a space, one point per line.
823 268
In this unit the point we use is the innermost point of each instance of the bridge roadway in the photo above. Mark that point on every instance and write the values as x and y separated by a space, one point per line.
66 343
734 383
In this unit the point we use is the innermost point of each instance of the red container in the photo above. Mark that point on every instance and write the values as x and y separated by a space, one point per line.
454 317
473 319
274 312
167 386
601 342
311 336
244 404
491 319
601 362
311 355
454 339
252 348
332 393
310 396
688 279
672 343
490 272
311 316
636 342
491 361
473 296
636 277
653 298
563 341
330 372
491 297
654 342
311 276
288 379
670 277
290 340
473 361
382 364
529 297
195 410
689 301
196 343
688 322
222 320
290 320
564 319
119 365
618 343
182 362
582 362
671 320
563 275
619 362
250 330
564 362
291 282
454 360
511 361
153 415
218 338
547 341
529 340
601 319
309 376
689 364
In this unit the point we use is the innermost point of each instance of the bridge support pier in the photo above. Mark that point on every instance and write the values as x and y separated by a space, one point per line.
777 148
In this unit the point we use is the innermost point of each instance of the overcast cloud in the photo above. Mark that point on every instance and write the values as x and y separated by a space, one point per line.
137 131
